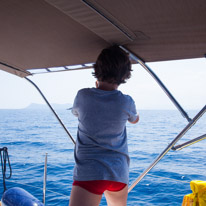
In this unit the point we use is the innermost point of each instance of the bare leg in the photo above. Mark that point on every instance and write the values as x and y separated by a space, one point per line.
81 197
117 198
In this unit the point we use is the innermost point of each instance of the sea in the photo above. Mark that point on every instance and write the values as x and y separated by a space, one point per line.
30 134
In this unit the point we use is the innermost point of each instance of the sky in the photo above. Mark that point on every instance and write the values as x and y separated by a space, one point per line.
185 79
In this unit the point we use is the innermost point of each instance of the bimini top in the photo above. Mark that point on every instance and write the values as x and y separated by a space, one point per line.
52 33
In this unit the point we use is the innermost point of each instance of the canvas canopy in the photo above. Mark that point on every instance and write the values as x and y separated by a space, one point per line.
52 33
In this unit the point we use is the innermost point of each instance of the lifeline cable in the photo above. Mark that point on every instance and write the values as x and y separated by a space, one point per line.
4 160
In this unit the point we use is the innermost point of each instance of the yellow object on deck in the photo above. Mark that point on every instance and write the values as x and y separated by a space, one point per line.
198 197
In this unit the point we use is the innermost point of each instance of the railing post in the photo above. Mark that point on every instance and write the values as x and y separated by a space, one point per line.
45 179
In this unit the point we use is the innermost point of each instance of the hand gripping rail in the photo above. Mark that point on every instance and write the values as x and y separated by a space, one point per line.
179 136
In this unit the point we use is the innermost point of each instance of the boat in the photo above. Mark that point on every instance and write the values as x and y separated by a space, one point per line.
48 36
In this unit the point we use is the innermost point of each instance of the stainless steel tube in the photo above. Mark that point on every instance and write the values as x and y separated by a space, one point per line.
51 108
189 125
188 143
45 178
138 60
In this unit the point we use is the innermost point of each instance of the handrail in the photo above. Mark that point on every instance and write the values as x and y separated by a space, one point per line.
138 60
188 143
51 108
179 136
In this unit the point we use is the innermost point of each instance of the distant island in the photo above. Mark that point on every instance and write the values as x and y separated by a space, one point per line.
45 106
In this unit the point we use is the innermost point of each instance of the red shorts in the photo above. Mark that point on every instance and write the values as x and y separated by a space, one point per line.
99 186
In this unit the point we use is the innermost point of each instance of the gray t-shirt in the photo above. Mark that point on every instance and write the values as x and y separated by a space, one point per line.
101 151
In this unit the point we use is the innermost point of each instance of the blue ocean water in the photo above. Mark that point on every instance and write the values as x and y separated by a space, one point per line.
30 134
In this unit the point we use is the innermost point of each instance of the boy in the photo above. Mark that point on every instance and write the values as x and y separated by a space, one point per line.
101 151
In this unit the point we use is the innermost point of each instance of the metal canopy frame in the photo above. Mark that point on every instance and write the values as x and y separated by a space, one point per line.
53 111
169 147
146 67
178 106
188 143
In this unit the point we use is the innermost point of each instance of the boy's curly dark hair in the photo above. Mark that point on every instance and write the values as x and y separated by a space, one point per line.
113 66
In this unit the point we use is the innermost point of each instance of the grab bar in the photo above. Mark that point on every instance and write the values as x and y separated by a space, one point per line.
188 143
